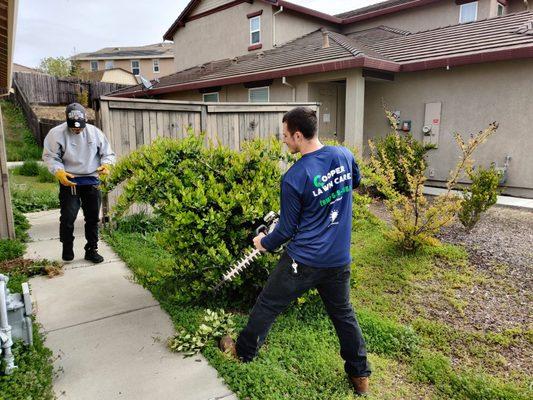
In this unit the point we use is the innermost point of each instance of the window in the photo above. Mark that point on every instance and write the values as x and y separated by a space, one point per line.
468 12
255 30
210 97
109 64
135 67
94 65
156 66
500 9
259 95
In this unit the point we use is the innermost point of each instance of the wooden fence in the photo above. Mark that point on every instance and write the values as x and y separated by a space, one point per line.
49 90
131 123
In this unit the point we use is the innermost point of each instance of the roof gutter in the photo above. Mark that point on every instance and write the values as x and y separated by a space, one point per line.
356 62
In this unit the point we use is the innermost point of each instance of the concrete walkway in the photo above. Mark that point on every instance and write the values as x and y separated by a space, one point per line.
107 333
507 201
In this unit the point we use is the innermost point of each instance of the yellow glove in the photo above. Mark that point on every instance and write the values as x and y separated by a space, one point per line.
103 169
63 176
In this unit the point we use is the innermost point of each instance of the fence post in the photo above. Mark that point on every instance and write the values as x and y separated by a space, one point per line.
7 227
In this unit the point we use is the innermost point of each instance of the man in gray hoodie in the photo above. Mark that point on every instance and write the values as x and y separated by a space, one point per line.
77 153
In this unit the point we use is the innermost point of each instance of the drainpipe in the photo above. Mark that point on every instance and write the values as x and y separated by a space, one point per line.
284 81
5 330
274 44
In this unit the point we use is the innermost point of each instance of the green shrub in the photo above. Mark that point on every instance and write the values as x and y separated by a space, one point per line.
140 223
482 194
20 143
393 148
28 168
210 198
10 249
45 176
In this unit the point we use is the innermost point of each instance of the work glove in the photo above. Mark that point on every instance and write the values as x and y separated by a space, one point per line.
103 169
63 176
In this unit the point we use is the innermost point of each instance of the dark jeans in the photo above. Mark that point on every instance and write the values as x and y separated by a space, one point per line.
89 198
283 287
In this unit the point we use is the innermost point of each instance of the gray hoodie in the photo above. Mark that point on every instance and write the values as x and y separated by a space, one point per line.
79 154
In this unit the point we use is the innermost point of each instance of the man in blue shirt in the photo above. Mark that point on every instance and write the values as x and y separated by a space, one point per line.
316 219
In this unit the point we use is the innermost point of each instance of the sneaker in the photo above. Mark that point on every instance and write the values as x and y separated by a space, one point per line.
93 256
360 385
68 252
227 345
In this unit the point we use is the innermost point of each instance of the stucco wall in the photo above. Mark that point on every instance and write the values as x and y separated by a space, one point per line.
200 40
166 66
417 19
472 97
290 26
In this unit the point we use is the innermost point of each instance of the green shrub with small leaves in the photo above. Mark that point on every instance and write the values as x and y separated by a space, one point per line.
393 148
10 249
480 196
214 326
28 168
211 199
45 176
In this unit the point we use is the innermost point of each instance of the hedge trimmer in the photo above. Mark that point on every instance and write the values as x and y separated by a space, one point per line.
271 220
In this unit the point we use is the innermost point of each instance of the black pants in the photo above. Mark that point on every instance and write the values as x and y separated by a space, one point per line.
89 198
283 287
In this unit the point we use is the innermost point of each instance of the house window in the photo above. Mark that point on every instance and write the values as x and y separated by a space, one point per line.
255 30
259 95
500 9
94 65
210 97
109 64
156 66
468 12
135 67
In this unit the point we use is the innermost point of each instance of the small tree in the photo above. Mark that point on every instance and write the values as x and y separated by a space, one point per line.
482 194
415 220
56 66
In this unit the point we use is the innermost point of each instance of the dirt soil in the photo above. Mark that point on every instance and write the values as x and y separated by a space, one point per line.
57 112
499 296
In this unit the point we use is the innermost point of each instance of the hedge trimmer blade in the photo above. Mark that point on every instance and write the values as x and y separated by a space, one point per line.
237 268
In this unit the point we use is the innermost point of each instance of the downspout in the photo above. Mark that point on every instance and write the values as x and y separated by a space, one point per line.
274 44
284 81
5 330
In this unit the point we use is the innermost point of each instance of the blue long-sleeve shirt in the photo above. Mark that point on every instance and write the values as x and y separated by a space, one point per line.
316 208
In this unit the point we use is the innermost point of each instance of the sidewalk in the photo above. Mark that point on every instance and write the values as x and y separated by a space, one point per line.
508 201
107 333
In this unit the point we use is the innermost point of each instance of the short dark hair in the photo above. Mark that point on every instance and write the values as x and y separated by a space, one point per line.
302 119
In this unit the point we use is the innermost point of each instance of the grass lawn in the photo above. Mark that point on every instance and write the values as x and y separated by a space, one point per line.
20 144
29 195
414 354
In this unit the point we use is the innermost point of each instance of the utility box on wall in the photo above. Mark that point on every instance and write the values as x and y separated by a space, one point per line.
432 121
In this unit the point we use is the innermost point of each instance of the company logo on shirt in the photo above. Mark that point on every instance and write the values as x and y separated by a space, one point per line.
333 216
326 183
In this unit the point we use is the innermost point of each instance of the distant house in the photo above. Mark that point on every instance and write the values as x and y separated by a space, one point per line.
23 68
114 75
444 65
150 61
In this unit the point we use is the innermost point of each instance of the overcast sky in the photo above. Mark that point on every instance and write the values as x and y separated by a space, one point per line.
66 27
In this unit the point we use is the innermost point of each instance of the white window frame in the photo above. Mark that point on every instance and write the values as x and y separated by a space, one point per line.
500 7
257 30
139 67
93 63
155 63
463 6
109 64
210 93
258 88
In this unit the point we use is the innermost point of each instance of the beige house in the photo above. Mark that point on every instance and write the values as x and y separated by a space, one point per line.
443 65
113 75
150 61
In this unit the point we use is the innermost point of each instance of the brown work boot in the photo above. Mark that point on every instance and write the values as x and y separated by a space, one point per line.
360 385
227 345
